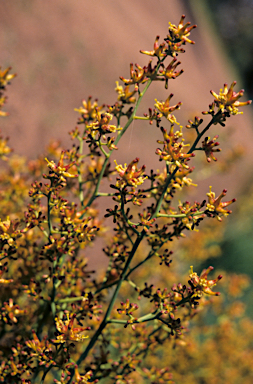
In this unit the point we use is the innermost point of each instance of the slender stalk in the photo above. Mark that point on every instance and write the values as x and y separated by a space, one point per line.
171 176
143 319
180 216
80 181
194 145
111 304
141 235
95 193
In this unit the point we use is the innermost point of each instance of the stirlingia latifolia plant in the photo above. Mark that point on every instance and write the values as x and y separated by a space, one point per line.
60 323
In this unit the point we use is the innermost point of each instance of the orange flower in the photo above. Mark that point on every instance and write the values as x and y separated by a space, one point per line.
60 170
201 285
158 51
228 99
181 32
216 206
68 332
138 75
130 175
170 71
82 378
165 109
208 146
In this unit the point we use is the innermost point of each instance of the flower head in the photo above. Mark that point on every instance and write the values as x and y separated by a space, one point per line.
172 149
125 95
166 109
88 110
227 99
68 332
82 379
158 51
4 149
9 231
181 32
201 285
10 312
208 146
138 75
5 77
130 175
170 71
60 170
215 206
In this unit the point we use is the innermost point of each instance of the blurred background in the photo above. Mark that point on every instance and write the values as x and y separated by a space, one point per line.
64 51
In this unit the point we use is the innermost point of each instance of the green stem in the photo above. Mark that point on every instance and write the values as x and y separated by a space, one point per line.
194 145
141 118
49 215
70 299
95 193
182 215
111 304
80 181
171 176
143 319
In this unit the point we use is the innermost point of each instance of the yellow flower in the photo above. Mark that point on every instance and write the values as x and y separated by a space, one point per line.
170 71
165 109
181 32
138 75
227 100
82 378
9 231
88 110
158 51
130 175
216 206
200 283
68 332
6 77
60 170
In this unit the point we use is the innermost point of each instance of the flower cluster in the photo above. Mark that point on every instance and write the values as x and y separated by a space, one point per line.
215 207
5 78
200 284
172 151
69 333
226 104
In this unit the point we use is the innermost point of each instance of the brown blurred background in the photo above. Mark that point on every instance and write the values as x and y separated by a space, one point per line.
64 51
